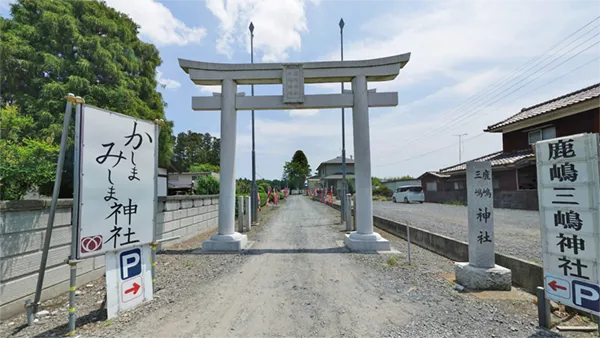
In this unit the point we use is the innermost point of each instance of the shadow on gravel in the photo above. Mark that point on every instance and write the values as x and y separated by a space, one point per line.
176 252
92 317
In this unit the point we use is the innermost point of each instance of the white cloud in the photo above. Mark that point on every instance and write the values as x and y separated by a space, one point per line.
168 83
304 112
157 23
278 26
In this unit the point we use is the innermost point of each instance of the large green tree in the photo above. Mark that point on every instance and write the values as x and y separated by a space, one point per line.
296 171
195 149
24 162
51 48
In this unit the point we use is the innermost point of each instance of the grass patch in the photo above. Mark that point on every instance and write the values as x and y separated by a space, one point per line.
392 261
108 322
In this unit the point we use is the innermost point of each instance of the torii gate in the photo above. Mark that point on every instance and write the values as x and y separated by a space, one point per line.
293 76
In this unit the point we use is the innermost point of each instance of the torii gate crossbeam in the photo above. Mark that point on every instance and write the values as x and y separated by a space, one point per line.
293 76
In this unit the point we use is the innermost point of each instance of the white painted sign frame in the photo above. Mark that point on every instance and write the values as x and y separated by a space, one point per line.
586 148
99 126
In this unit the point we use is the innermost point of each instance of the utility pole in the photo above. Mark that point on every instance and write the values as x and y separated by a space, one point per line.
460 146
343 195
253 188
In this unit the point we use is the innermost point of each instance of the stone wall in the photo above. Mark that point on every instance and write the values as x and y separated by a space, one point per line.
22 231
505 199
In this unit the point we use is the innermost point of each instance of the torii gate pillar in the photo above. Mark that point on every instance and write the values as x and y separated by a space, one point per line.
293 77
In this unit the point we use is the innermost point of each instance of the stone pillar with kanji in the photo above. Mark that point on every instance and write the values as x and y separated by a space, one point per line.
481 272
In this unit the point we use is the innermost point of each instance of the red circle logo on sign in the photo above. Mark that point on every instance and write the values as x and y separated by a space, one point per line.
91 243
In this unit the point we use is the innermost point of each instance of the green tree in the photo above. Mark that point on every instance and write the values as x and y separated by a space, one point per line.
204 168
207 185
296 171
24 162
51 48
193 149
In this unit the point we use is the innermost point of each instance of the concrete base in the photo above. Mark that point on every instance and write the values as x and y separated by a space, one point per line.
496 278
361 242
225 243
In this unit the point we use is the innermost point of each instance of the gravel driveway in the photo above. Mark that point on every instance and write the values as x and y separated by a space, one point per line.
296 280
517 231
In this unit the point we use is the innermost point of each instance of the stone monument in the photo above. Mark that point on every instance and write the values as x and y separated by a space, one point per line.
481 272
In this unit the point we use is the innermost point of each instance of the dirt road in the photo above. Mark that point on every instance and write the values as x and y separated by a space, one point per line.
298 283
297 280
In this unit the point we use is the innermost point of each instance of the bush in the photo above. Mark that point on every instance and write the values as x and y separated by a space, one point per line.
382 190
263 198
207 185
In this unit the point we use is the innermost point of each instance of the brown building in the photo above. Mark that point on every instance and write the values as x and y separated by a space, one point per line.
514 170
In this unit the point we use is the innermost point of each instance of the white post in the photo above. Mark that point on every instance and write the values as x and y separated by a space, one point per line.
364 239
240 207
362 153
227 239
227 165
248 213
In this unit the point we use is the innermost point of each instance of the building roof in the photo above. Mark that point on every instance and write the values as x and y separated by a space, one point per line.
434 173
498 159
337 160
584 94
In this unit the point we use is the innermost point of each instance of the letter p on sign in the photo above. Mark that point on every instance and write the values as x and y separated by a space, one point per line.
130 263
586 295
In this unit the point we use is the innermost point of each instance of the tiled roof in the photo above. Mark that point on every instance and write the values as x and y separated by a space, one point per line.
588 93
498 159
338 160
436 174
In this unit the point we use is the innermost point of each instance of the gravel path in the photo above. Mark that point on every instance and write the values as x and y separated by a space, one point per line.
517 231
296 280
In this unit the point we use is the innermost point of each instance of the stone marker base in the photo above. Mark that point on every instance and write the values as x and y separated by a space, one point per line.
372 242
225 243
496 278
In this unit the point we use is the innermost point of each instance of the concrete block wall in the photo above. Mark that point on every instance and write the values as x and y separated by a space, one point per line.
22 231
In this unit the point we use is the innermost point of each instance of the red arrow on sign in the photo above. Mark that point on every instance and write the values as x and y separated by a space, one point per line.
134 289
555 286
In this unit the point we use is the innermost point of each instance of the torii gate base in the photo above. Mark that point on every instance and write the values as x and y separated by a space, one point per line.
293 77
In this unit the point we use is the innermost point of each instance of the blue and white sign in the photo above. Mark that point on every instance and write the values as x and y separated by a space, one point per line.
568 171
128 279
130 263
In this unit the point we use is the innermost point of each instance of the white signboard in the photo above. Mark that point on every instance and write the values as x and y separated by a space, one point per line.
480 201
117 181
569 198
128 279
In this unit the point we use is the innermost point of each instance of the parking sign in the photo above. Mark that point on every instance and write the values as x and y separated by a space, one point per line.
128 279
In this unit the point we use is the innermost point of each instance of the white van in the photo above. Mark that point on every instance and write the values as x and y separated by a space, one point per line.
408 194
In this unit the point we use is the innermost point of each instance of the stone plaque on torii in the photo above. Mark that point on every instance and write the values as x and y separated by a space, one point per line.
293 76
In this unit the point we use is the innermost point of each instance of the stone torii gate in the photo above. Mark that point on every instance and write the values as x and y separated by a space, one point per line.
293 76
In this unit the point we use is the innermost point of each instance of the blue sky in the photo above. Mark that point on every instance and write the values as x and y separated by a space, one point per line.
459 48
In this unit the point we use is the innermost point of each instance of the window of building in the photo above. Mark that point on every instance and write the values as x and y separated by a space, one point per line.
431 186
459 185
541 134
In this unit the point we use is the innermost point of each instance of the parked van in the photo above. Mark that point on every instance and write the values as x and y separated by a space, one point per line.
408 194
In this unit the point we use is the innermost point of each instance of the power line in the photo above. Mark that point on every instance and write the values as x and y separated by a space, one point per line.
473 111
430 152
479 96
476 136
